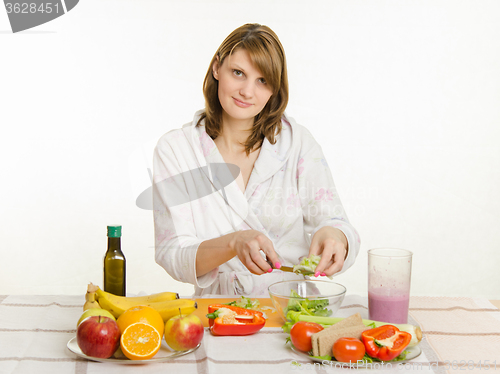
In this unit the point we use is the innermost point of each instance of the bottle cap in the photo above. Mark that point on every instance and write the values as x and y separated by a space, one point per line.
114 231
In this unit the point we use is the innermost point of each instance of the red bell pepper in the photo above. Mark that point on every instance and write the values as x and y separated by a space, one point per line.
385 342
226 322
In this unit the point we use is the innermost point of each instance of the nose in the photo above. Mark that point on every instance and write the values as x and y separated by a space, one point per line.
247 89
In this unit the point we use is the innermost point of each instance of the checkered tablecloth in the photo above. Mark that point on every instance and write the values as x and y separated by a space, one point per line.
459 334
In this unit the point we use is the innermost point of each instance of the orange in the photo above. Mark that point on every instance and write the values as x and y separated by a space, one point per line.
141 313
140 341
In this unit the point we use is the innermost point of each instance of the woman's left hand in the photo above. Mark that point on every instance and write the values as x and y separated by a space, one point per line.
331 244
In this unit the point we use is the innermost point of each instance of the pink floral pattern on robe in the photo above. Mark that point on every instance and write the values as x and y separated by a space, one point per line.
289 197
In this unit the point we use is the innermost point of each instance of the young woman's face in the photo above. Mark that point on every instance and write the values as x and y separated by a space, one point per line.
243 91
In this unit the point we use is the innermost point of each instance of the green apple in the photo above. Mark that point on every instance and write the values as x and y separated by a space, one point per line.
95 312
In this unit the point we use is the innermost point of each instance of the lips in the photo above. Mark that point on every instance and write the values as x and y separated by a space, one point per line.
241 104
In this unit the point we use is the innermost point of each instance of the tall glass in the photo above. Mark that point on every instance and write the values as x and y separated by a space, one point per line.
389 278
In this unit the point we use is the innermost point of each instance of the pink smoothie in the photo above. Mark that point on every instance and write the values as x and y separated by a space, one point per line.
393 309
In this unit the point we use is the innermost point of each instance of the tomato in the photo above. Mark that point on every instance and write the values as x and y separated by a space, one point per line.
301 332
348 350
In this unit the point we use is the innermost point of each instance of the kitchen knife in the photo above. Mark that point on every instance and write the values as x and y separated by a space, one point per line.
289 269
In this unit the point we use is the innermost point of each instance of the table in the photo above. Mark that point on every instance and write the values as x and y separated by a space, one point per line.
460 333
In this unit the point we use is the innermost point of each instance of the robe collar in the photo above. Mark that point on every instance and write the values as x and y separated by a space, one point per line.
272 158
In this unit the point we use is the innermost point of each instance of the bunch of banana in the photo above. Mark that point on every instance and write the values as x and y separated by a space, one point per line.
90 298
167 304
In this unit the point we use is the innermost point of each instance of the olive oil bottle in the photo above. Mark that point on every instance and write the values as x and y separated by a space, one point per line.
114 263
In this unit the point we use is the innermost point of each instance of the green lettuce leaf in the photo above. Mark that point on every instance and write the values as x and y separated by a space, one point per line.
307 265
246 303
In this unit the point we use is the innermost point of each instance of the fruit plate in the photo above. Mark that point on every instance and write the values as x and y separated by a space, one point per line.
413 352
164 354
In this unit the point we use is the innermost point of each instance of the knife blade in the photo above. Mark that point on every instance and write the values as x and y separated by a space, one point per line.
289 269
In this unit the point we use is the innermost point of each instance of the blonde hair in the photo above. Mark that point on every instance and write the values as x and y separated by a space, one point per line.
268 55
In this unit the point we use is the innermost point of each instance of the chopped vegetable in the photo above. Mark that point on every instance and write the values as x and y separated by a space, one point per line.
307 265
414 331
385 342
307 306
226 319
299 306
329 322
246 303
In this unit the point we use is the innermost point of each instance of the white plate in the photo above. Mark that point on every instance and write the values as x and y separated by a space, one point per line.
164 354
413 352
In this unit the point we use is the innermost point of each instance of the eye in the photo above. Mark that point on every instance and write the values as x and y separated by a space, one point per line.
238 73
262 80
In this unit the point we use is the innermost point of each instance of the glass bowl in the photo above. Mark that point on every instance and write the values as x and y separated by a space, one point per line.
324 296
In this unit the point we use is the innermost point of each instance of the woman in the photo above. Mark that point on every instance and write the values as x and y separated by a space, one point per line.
243 186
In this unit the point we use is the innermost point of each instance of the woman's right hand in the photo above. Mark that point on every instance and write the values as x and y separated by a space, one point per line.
247 245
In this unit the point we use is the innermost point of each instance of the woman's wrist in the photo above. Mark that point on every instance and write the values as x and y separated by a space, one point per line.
231 245
214 252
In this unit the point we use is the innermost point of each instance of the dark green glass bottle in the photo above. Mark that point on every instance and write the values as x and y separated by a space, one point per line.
114 263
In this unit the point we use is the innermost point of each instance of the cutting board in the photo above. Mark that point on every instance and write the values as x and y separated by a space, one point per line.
273 320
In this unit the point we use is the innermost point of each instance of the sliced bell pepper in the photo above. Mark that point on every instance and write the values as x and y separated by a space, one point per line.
385 342
231 320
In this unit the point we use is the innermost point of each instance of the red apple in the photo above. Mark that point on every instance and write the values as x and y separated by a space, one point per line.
98 336
184 332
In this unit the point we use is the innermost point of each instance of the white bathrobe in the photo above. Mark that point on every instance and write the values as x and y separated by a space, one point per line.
290 195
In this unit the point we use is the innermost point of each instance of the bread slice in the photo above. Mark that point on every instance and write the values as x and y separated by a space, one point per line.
351 327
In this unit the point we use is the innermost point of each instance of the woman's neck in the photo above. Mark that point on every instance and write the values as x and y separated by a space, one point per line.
234 134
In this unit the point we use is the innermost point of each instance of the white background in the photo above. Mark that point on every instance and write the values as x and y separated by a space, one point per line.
402 95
